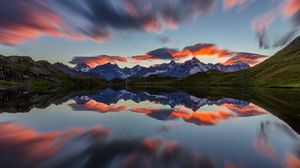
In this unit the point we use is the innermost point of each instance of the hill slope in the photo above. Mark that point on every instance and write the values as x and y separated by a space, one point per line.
25 72
280 70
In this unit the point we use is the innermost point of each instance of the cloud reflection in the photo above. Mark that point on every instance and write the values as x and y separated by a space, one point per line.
264 144
180 106
24 147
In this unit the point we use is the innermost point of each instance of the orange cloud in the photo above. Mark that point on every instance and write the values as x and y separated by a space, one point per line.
25 147
292 161
16 31
197 50
131 9
262 146
228 164
200 50
212 118
291 7
31 147
152 25
144 110
249 110
153 144
206 50
158 152
143 57
25 21
103 108
228 4
200 118
98 60
249 58
181 112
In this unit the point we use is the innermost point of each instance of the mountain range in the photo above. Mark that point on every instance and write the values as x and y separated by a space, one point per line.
179 70
279 70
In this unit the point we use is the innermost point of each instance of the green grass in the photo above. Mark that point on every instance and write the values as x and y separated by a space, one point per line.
41 85
6 84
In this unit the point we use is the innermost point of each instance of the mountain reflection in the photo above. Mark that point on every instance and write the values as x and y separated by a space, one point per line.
78 147
180 106
109 96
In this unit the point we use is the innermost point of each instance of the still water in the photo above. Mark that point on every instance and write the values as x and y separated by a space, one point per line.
121 128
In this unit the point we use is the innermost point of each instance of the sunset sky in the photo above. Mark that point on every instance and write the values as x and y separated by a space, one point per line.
126 31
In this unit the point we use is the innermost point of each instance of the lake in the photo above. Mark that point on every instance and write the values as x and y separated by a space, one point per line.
152 127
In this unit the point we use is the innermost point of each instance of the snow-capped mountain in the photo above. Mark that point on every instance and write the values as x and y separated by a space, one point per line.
82 68
111 71
173 99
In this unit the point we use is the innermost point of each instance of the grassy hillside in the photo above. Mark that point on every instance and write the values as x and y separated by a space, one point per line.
22 71
280 70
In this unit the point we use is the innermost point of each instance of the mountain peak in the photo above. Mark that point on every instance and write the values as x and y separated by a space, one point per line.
172 62
82 67
194 59
109 64
172 69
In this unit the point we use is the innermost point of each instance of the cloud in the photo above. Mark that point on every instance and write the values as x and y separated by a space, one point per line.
265 148
80 147
248 58
292 160
22 21
144 57
226 111
163 53
204 49
296 19
246 110
288 9
261 24
144 110
284 39
98 60
291 7
200 117
214 117
92 105
35 149
197 50
229 4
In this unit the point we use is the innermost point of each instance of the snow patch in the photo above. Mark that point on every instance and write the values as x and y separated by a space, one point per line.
156 72
195 70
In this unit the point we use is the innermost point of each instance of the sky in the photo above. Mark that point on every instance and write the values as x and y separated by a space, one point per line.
147 32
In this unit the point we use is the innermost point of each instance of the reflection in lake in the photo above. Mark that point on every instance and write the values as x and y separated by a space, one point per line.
179 106
90 148
120 128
